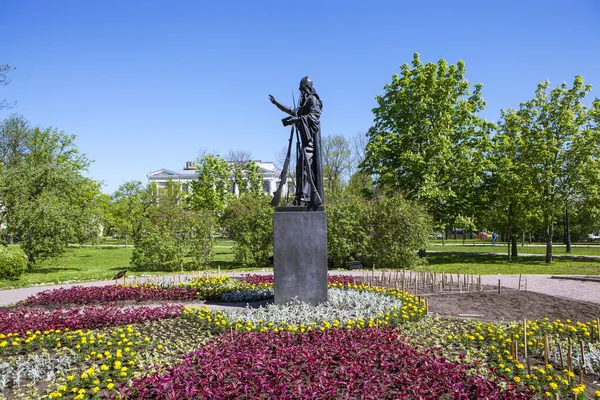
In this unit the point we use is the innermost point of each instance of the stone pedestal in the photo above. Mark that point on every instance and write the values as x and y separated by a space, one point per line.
300 255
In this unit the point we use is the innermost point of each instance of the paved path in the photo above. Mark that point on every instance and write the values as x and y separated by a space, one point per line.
566 288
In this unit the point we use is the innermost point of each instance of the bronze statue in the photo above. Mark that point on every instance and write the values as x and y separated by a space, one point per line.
306 119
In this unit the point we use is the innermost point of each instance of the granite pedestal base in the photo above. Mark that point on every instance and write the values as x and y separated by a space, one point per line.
300 255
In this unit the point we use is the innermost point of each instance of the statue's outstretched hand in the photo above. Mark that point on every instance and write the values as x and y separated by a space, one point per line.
272 99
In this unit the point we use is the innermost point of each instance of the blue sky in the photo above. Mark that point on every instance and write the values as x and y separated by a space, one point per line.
149 84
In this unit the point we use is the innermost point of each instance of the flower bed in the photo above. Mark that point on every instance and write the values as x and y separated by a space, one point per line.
357 363
363 328
20 321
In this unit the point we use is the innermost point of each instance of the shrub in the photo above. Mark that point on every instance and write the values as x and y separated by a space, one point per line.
180 241
155 248
248 220
386 231
346 229
398 229
13 263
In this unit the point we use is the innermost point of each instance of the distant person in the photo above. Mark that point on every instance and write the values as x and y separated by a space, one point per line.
494 237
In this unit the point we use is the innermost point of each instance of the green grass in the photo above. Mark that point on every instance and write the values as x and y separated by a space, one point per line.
486 264
102 263
502 248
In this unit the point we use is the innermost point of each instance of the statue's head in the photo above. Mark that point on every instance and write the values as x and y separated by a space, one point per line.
305 84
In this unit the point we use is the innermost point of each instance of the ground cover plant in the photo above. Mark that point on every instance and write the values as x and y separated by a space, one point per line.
367 341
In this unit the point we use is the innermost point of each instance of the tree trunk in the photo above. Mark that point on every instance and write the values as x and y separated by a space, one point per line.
515 250
567 231
508 249
530 241
549 233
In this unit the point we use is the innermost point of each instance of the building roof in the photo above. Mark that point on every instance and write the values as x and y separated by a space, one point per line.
267 169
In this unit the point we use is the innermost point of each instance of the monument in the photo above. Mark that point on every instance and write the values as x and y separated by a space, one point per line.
300 229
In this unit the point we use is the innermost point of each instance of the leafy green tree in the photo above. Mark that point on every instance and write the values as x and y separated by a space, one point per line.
248 220
337 160
14 132
428 141
249 179
47 201
561 145
132 202
210 190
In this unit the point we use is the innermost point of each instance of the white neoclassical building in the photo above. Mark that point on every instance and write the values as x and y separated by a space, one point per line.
184 176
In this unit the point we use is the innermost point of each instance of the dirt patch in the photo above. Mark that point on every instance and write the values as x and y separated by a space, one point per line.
510 305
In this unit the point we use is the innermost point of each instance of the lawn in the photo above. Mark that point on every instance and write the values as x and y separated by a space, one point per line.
474 247
489 264
90 263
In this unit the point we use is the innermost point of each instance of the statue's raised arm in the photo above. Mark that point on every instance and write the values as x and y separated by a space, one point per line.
282 107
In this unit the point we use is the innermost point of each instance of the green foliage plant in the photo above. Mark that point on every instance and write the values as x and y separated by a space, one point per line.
13 262
398 229
428 140
347 230
210 190
248 219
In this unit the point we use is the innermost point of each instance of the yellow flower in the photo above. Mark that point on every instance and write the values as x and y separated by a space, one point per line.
110 386
553 385
517 379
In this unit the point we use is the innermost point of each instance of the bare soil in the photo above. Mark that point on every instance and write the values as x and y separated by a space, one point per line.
510 305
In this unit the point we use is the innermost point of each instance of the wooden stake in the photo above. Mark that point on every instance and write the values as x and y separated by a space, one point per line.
546 349
498 286
582 359
525 338
598 328
519 281
569 355
562 363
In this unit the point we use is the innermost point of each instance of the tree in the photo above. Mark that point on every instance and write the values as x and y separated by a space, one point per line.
210 190
428 141
237 160
5 80
337 159
46 200
250 179
360 182
132 202
560 144
14 131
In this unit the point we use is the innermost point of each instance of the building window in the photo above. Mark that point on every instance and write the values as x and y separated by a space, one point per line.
267 187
